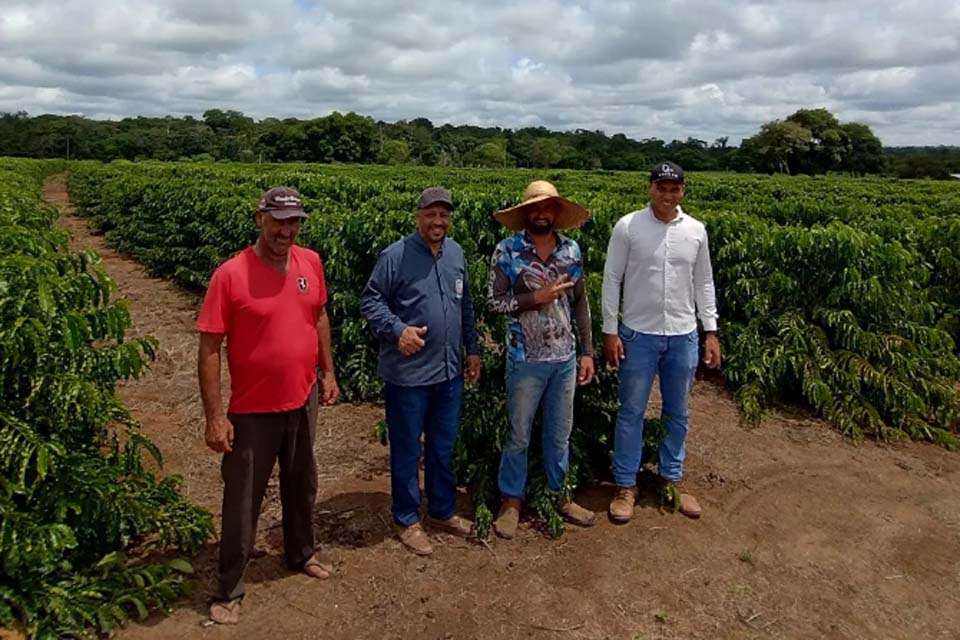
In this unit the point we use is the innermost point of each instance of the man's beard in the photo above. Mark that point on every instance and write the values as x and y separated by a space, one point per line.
540 228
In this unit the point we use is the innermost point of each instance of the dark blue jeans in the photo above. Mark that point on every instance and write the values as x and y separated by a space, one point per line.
433 410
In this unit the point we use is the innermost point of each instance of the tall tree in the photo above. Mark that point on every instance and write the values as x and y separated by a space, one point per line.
546 152
826 148
394 152
779 146
864 150
812 141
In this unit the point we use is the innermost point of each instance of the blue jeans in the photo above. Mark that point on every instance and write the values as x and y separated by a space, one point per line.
528 385
433 410
674 358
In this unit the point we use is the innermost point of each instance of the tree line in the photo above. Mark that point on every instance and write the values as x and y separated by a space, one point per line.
810 141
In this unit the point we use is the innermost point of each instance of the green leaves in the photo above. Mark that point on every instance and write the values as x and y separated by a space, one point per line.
71 505
181 566
25 456
840 294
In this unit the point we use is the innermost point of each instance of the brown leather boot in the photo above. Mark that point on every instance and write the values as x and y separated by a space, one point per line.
689 506
454 525
415 539
621 507
575 514
506 523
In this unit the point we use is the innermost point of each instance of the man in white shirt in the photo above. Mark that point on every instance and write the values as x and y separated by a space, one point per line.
659 259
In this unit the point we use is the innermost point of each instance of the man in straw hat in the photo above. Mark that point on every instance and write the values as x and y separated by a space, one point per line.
659 259
536 279
418 304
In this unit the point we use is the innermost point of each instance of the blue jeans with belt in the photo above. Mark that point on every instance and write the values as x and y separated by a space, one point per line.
432 410
530 385
674 358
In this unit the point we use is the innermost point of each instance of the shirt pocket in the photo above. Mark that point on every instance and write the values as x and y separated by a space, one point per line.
683 251
457 284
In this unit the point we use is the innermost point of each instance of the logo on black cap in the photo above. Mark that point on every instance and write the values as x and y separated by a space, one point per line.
667 171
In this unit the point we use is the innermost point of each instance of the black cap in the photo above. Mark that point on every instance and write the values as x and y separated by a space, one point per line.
282 203
667 171
433 195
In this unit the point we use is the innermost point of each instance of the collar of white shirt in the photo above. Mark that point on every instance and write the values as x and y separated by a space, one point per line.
680 215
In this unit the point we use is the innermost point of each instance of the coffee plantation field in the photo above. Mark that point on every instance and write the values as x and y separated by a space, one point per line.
840 294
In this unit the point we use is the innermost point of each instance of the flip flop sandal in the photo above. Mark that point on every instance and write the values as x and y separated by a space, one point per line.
225 612
314 568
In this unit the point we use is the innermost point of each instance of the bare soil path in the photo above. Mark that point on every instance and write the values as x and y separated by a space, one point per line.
804 535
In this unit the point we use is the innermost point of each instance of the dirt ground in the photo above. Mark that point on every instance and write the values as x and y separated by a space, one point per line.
804 535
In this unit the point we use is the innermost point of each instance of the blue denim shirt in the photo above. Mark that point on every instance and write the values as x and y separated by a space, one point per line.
411 287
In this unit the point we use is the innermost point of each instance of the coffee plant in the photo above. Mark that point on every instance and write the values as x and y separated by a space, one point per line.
89 535
841 294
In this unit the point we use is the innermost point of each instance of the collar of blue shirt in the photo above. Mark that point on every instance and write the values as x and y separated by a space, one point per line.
419 241
525 242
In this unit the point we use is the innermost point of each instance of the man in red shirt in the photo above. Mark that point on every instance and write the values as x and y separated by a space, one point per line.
268 301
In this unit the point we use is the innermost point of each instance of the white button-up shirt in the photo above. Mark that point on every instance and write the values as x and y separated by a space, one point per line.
663 270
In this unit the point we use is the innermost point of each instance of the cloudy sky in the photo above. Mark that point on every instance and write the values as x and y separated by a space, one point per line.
666 69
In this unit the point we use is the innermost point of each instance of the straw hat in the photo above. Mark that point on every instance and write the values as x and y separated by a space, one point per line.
569 215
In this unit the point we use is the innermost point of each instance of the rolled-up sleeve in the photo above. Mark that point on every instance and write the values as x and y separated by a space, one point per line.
374 301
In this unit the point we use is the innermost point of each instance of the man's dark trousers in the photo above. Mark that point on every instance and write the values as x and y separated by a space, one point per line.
259 440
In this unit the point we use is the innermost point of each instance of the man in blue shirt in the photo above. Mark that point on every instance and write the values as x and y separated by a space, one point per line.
418 304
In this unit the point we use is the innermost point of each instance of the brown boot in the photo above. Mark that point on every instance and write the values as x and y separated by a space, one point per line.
454 525
688 504
575 514
414 539
621 507
506 523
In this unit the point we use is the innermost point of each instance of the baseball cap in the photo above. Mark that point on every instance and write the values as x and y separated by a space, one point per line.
667 171
282 203
433 195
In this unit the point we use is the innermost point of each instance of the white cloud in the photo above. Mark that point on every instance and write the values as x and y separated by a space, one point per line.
670 69
16 25
329 79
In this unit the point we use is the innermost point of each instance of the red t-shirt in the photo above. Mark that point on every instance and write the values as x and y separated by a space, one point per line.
269 319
